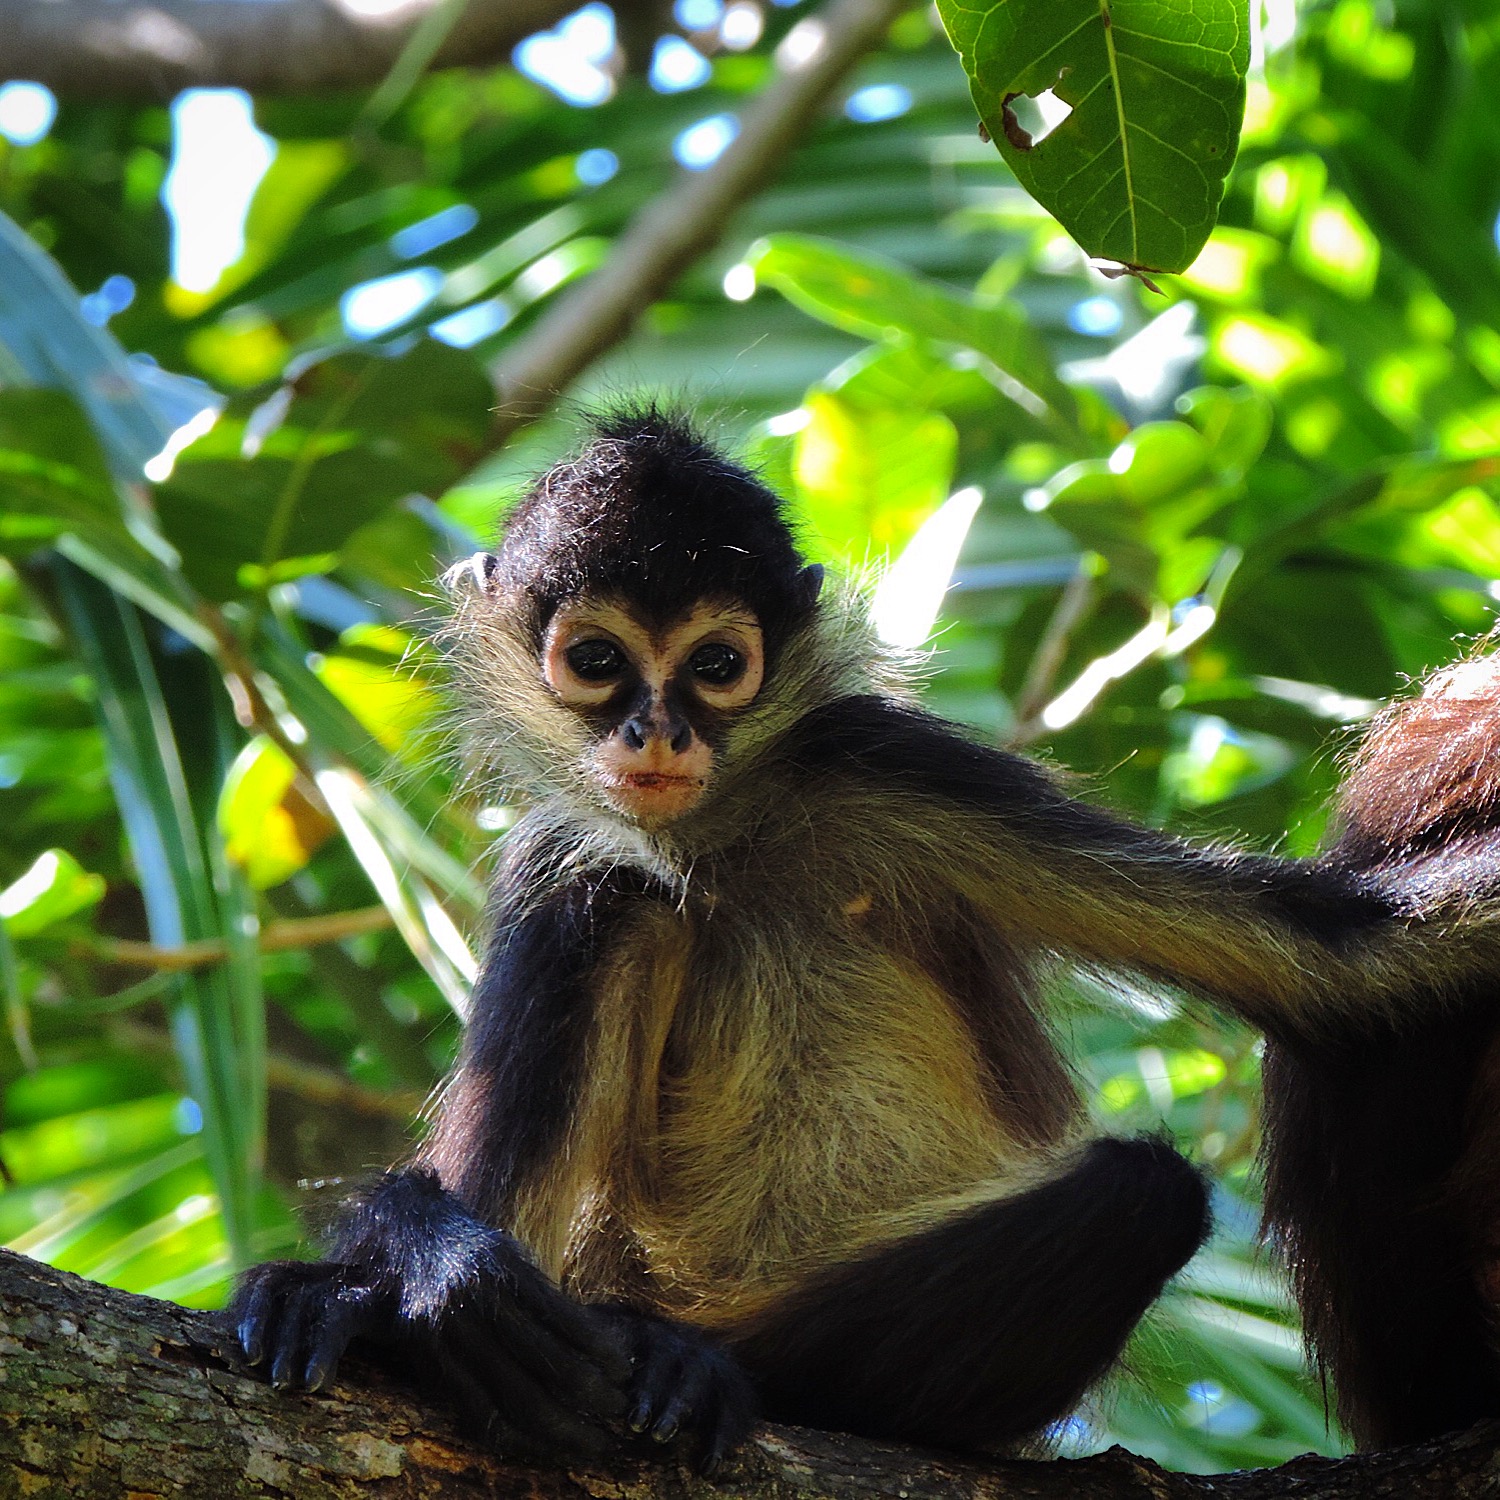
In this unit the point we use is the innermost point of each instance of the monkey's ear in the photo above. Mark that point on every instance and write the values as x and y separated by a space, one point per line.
478 573
812 583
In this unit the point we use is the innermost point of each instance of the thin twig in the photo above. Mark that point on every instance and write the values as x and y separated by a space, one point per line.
276 937
323 1086
1046 662
689 218
250 705
290 1075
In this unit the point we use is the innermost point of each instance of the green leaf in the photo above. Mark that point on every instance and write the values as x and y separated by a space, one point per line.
140 577
163 727
68 1088
873 297
1236 424
270 829
910 375
1139 507
51 467
55 887
375 677
48 425
1157 92
45 341
868 478
92 1138
1157 460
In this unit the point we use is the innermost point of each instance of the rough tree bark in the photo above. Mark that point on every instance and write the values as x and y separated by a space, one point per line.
112 1395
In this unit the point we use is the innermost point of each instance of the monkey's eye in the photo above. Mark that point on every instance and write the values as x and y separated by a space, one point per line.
717 664
596 660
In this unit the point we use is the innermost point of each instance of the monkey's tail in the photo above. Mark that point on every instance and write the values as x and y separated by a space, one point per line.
1382 1151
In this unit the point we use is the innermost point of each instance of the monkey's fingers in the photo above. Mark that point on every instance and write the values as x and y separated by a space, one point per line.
261 1301
597 1338
255 1310
686 1383
344 1314
287 1344
561 1366
485 1372
679 1398
656 1374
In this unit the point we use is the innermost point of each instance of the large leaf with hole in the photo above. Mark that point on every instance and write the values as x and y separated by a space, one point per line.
1156 90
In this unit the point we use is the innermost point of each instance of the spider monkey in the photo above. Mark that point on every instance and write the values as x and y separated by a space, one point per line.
756 1111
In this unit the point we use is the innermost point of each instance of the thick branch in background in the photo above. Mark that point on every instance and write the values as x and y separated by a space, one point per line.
107 1394
690 217
149 49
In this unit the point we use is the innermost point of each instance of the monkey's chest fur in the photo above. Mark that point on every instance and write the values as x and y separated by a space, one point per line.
778 1089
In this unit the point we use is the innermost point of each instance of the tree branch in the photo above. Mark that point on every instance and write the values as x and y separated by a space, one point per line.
689 218
149 49
112 1394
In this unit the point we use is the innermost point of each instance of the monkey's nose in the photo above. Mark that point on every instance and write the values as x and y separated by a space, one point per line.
637 732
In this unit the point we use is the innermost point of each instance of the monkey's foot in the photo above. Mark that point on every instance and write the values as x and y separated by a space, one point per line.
685 1384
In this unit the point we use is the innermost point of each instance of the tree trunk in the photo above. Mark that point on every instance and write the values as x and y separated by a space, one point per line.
113 1395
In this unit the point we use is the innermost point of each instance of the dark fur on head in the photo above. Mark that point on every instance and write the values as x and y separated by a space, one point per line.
650 512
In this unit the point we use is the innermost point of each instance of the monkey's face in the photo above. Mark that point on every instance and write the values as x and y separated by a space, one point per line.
656 696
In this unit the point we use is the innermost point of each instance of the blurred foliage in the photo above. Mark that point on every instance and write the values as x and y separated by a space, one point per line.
1216 525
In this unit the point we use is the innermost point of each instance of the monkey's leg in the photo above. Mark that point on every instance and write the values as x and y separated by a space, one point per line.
987 1327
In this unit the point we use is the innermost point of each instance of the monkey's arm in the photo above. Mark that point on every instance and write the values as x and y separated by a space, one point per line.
420 1260
512 1135
1300 947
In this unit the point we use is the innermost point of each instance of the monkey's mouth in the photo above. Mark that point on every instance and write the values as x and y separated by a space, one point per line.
654 795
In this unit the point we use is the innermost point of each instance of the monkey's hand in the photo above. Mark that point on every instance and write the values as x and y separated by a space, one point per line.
683 1382
295 1319
529 1369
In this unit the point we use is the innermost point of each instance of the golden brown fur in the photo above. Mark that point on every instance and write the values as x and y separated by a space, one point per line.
1382 1146
777 1078
1428 770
